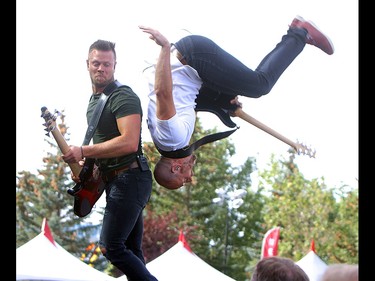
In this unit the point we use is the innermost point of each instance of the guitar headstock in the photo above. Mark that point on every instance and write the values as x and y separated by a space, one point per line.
50 119
303 149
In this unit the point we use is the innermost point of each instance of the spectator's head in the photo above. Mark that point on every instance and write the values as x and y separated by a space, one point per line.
278 269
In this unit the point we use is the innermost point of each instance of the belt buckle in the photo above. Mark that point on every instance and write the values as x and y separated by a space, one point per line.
112 174
109 176
105 178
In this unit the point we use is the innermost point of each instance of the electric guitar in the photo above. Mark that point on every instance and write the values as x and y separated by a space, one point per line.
91 186
297 146
209 101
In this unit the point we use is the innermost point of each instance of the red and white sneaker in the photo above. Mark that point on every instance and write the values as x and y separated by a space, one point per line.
314 35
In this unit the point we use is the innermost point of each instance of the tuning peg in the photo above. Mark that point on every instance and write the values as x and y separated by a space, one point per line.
48 131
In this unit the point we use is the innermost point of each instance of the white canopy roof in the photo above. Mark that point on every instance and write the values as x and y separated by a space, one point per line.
313 266
179 264
43 259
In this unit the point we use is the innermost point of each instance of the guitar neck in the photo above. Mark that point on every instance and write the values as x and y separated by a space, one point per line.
64 147
243 115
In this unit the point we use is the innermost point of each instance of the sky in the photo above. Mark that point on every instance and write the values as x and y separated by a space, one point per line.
315 101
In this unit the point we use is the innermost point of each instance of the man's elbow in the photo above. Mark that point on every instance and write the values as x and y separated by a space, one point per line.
163 92
134 148
159 92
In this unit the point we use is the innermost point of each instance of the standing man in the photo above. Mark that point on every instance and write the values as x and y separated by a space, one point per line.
196 69
117 149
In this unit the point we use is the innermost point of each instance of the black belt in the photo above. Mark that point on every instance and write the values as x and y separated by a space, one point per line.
108 176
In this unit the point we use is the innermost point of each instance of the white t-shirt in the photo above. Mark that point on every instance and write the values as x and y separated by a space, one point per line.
176 132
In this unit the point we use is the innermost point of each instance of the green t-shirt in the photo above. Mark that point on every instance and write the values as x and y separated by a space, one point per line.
122 102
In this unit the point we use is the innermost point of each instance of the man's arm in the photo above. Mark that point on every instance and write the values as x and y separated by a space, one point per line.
165 108
127 143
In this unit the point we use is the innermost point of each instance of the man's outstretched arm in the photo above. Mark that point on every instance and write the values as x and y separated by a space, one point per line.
165 108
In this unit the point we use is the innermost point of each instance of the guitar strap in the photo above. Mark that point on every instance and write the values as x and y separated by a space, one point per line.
188 150
108 90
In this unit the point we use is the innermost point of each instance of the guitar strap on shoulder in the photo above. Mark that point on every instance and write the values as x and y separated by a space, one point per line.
98 110
188 150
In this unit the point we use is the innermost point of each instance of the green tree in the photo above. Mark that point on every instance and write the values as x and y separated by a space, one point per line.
306 211
344 227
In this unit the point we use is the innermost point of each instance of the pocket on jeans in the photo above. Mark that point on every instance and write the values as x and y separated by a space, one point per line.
144 182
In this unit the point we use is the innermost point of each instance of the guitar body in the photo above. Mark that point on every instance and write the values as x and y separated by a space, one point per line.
91 186
211 101
88 191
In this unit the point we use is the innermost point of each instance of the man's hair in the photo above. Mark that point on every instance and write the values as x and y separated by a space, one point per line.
103 45
278 269
164 176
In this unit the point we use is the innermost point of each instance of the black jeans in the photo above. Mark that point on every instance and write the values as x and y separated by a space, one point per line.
122 229
225 74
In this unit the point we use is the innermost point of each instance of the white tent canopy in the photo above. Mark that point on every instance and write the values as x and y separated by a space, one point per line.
180 263
313 266
43 259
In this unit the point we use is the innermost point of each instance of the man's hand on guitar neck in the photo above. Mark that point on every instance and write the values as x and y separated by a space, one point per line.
73 155
236 102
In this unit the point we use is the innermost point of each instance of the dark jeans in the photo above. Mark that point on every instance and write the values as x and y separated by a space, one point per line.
222 72
122 229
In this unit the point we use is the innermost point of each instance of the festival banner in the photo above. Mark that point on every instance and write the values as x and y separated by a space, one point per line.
270 243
